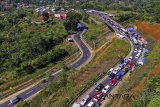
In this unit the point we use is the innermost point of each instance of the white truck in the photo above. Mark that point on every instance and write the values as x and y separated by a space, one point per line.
134 40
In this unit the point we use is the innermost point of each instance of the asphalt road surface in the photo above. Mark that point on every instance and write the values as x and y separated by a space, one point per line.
117 28
84 49
39 87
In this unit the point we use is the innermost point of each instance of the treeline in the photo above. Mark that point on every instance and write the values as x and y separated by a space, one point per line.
26 47
147 10
150 96
36 2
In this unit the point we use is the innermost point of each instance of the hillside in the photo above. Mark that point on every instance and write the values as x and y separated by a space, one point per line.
27 47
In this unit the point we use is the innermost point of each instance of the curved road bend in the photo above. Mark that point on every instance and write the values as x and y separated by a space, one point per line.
86 54
105 80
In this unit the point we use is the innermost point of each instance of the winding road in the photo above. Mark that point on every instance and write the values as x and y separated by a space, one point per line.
86 55
106 80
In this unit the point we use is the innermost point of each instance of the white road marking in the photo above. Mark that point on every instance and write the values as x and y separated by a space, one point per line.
9 103
29 92
32 95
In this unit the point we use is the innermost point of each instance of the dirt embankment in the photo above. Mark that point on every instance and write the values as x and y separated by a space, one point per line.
152 30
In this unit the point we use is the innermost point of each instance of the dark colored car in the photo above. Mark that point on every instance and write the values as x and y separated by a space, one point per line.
126 70
99 87
112 75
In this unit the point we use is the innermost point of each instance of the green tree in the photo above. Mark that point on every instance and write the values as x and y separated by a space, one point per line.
72 20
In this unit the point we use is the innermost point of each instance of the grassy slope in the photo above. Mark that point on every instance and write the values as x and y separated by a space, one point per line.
95 33
138 75
72 83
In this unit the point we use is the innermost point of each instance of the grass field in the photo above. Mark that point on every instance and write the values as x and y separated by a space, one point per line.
72 83
95 36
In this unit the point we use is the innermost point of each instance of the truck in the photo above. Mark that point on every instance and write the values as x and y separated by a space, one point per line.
124 31
134 40
15 100
119 75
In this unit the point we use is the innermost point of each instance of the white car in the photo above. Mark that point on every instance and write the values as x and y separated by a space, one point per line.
135 50
140 63
130 58
117 68
120 36
106 88
139 51
76 105
91 104
137 56
110 71
70 39
85 100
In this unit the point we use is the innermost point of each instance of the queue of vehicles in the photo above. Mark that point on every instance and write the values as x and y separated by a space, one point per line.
114 74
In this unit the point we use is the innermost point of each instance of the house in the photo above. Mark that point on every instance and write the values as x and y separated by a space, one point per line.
60 16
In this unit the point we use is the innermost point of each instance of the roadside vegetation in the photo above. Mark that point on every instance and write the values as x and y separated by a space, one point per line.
71 84
29 49
97 34
145 10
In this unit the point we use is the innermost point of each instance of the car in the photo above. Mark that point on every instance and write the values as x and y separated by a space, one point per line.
70 39
98 97
130 58
110 71
76 105
129 64
135 50
15 100
106 88
126 70
139 51
137 56
99 87
85 100
121 66
117 68
125 63
91 104
124 30
113 82
120 36
112 75
140 63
